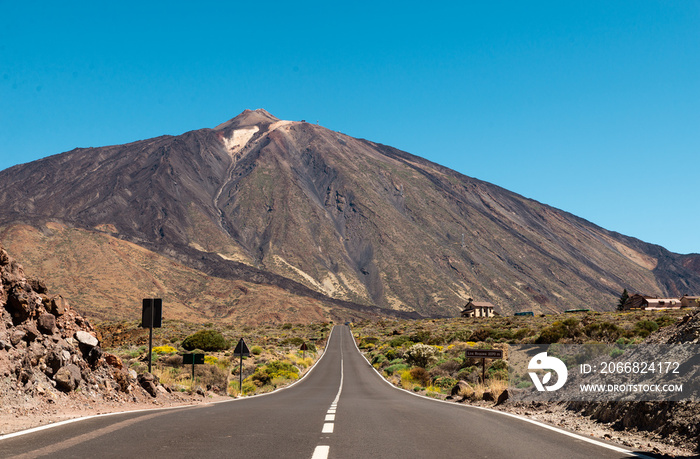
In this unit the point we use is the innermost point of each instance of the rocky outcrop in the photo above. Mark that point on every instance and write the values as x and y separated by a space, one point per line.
676 420
47 348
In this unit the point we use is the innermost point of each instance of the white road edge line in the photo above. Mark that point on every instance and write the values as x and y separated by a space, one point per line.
70 421
504 413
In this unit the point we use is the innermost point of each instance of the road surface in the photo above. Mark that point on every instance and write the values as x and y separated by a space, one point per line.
342 409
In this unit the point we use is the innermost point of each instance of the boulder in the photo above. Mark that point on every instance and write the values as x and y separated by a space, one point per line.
18 305
502 398
68 378
459 387
94 356
32 332
46 323
17 336
148 382
488 396
59 306
86 338
38 285
54 361
114 361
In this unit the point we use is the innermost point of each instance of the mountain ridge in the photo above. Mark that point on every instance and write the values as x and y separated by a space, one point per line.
350 219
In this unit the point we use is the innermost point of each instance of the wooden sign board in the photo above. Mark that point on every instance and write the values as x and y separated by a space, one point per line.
484 353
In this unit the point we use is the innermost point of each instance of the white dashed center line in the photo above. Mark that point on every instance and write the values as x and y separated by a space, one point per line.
322 451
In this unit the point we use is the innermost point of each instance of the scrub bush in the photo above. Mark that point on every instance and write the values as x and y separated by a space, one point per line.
206 340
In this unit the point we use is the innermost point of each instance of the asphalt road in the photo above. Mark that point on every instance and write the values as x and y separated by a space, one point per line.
342 409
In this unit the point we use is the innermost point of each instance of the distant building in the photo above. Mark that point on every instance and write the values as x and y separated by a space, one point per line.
478 309
688 301
651 303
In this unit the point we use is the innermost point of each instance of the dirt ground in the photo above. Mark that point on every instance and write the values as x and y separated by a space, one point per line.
558 416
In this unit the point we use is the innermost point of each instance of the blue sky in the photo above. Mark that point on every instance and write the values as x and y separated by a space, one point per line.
592 107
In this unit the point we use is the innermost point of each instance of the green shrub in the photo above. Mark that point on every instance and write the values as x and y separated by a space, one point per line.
256 350
644 328
399 341
521 333
391 354
460 335
664 321
368 342
294 341
206 340
480 334
260 378
603 331
420 336
396 368
445 382
549 335
498 370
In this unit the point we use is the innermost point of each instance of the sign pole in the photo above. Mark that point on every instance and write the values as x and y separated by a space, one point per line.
150 345
151 317
483 371
240 376
150 335
240 351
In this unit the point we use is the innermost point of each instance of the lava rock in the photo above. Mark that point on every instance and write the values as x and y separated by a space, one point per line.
148 382
46 323
86 338
68 378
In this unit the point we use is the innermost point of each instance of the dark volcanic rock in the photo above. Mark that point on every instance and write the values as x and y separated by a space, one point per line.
149 383
47 323
68 378
36 332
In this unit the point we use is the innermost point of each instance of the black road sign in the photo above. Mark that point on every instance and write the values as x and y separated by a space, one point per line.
193 359
484 353
304 347
152 313
241 349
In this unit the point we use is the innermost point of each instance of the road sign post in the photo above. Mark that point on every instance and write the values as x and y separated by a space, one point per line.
194 359
304 348
151 317
241 351
484 354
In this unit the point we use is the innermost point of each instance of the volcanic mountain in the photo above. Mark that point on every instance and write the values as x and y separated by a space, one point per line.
312 213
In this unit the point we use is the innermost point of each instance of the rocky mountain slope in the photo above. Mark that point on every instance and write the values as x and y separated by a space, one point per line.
50 356
322 215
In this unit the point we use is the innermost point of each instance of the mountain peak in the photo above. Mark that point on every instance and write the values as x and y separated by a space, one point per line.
249 118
